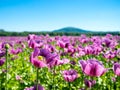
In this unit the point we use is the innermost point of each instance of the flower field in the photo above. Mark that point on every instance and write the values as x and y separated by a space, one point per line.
60 63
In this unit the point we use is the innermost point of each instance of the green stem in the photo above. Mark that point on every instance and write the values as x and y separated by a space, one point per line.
37 78
69 86
6 68
53 78
114 85
118 81
86 88
0 84
22 59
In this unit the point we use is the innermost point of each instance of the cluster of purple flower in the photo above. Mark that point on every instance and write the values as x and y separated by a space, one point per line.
95 55
46 55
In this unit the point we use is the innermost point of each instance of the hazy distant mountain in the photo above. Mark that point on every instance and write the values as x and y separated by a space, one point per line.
2 30
71 29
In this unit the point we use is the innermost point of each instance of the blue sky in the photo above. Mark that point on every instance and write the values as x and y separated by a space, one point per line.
37 15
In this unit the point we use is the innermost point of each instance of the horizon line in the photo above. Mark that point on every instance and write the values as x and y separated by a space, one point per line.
59 29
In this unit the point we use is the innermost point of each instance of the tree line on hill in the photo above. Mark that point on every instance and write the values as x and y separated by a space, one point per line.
54 33
5 33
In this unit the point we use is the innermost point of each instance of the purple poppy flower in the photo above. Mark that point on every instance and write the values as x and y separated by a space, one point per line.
92 67
2 61
35 43
70 75
34 88
44 52
64 61
4 70
61 44
116 69
113 79
36 59
2 53
31 43
36 52
88 50
89 83
14 57
49 59
96 49
18 77
118 53
38 63
110 54
39 87
53 59
81 51
108 42
96 40
49 47
15 51
23 45
71 49
31 36
9 44
72 62
62 53
82 89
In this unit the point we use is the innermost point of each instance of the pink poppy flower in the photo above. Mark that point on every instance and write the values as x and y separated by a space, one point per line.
116 69
92 67
70 75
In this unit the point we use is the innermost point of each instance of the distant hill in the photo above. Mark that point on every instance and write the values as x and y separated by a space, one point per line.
2 30
72 29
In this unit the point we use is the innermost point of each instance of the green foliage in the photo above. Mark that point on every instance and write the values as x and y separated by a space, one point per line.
57 33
